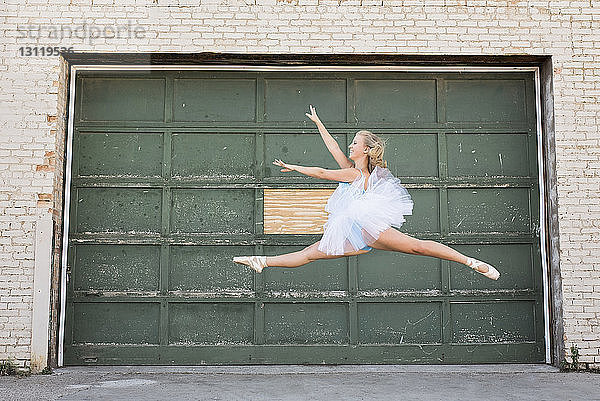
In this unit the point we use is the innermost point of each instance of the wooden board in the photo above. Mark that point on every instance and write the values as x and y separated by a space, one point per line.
295 211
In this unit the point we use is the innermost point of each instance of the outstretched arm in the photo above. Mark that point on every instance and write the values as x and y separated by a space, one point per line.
331 143
343 175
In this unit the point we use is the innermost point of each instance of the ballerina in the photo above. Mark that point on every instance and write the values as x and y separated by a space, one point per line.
363 210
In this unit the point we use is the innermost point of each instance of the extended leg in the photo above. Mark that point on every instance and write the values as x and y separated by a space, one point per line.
394 240
294 259
304 256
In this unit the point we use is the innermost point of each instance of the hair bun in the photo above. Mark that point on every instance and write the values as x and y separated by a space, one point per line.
376 148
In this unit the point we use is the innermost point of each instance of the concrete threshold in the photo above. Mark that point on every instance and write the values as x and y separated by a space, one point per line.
313 369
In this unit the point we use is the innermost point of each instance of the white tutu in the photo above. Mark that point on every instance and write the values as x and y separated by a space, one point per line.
357 217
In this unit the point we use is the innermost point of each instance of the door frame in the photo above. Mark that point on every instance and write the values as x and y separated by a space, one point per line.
548 226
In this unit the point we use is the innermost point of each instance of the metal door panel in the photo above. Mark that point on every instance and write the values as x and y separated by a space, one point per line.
425 216
216 156
120 154
212 211
118 210
116 267
116 323
304 149
486 100
493 322
287 99
319 276
400 323
306 323
122 99
395 101
412 155
210 323
514 260
214 99
206 269
487 155
381 272
489 210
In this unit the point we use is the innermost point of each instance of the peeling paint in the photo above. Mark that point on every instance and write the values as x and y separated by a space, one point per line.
388 294
307 294
217 294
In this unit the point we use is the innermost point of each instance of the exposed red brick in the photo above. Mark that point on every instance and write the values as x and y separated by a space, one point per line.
44 167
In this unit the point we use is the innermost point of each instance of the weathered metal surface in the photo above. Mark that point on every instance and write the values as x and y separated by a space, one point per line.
395 100
117 210
493 322
216 157
383 271
426 212
485 210
400 323
121 154
91 354
224 211
413 155
213 99
111 267
514 260
306 323
167 189
114 98
199 269
319 276
211 323
286 99
116 323
490 100
481 155
306 149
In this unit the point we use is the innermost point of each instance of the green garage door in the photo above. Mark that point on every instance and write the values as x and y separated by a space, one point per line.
169 170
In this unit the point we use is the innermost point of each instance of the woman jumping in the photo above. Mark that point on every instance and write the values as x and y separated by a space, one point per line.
367 203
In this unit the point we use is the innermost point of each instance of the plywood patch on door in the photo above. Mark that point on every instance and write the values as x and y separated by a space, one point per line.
295 211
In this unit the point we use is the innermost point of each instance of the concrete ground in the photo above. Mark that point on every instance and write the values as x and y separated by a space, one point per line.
292 382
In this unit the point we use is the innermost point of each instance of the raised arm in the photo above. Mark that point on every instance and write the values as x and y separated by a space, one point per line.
342 175
331 143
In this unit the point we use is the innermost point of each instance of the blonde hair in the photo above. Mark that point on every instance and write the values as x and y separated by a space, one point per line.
376 148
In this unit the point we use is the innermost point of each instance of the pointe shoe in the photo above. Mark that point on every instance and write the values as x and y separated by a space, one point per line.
257 263
476 264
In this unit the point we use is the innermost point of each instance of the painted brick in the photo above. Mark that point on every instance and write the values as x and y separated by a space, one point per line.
33 88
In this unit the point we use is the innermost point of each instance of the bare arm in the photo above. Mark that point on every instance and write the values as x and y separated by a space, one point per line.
343 175
331 143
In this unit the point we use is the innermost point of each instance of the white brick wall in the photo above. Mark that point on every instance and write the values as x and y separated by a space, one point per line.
30 147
